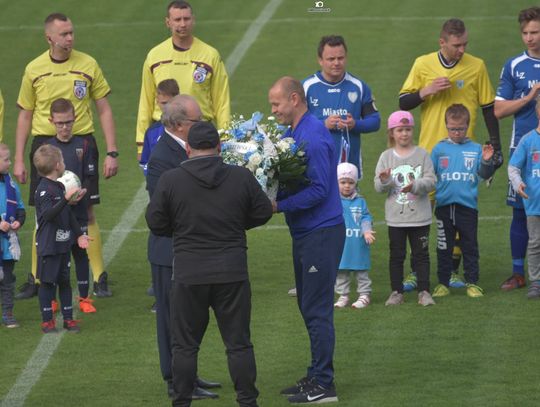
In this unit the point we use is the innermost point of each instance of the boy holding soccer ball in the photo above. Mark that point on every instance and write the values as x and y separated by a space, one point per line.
57 230
78 159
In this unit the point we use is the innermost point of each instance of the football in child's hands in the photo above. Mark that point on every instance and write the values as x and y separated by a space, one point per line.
70 181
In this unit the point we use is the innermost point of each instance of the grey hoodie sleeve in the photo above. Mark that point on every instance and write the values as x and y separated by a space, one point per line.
514 175
426 183
382 165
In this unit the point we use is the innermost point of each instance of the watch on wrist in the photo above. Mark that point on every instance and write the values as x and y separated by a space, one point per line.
113 154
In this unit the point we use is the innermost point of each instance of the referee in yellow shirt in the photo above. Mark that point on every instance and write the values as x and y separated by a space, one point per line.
196 66
440 79
62 72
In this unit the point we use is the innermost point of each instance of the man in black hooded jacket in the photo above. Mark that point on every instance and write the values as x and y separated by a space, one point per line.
206 206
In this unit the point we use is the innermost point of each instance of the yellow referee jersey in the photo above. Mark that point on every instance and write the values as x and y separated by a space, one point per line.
1 117
199 71
78 79
470 86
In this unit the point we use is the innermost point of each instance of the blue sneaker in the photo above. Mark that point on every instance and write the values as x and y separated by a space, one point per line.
456 281
409 284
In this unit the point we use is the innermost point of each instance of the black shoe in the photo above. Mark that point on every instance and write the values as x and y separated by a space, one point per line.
28 289
200 393
153 308
299 387
315 394
205 384
101 288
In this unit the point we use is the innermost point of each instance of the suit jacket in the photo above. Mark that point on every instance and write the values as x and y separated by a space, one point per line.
166 155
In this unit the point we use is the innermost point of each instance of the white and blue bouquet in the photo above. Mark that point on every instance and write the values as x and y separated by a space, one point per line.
275 161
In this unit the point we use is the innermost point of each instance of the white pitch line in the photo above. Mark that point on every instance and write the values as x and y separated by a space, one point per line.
310 18
48 343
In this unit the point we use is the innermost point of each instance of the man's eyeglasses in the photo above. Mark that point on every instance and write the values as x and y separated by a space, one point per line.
193 120
457 129
61 125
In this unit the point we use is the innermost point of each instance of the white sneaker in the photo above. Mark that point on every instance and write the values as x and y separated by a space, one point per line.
342 301
362 302
425 299
292 292
394 299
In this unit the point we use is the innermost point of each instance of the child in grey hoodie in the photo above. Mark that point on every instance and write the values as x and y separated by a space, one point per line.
405 172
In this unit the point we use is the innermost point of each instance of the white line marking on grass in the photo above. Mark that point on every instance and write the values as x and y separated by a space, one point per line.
39 360
286 20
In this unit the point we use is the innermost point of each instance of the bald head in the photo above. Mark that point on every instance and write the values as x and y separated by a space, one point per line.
289 85
288 100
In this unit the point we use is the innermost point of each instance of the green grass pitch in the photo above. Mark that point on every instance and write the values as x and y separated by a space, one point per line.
481 352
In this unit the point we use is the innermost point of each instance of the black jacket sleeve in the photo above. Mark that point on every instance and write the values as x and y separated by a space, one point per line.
408 101
157 214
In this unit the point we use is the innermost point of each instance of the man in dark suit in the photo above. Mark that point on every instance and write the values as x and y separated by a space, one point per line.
178 117
207 206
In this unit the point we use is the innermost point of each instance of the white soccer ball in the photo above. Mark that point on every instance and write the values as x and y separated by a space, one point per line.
70 181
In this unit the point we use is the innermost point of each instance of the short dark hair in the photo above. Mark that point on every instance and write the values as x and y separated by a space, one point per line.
62 106
55 16
454 26
181 4
457 111
331 41
46 158
168 87
528 15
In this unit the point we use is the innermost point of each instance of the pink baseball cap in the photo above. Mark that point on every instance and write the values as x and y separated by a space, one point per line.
400 118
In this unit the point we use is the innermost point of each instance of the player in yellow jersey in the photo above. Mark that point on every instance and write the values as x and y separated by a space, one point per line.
196 66
62 72
440 79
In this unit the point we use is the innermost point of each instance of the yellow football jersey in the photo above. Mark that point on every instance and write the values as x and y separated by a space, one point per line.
199 71
470 86
1 117
78 79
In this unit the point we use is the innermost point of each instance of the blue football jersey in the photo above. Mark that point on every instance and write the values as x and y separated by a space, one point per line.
518 76
457 166
526 157
349 95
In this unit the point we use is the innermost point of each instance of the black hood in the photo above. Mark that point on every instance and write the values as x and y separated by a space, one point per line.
209 171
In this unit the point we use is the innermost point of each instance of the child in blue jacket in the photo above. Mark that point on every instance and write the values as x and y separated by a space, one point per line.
359 236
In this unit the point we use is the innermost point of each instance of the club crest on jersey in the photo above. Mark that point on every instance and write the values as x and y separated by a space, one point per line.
79 153
199 75
352 96
443 162
80 89
356 213
468 162
536 157
460 83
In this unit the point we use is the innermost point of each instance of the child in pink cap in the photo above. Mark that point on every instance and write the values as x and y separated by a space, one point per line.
405 172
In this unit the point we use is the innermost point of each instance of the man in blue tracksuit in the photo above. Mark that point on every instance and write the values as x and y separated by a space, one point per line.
314 216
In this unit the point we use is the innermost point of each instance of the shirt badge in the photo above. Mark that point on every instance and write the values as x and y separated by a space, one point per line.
536 157
460 83
79 153
199 75
352 96
80 89
468 162
443 162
